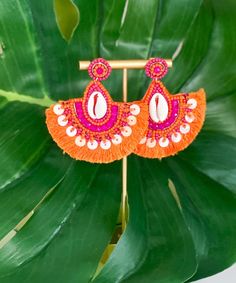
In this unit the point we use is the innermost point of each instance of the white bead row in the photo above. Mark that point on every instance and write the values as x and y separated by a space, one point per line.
175 137
164 142
105 144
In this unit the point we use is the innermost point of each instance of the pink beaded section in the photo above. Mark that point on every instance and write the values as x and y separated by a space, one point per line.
99 69
156 68
179 114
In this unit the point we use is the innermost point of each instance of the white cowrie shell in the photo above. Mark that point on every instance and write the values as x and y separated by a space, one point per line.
158 111
143 140
117 139
97 105
127 131
163 142
192 103
79 141
131 120
176 137
185 128
189 117
105 144
92 144
57 109
62 121
151 143
71 131
134 109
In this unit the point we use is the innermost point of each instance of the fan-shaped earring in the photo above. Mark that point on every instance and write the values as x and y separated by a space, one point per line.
95 128
174 120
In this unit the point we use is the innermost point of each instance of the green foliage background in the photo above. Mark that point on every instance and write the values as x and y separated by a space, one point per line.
170 237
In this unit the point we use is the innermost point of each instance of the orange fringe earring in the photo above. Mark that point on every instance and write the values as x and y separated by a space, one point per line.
174 120
95 128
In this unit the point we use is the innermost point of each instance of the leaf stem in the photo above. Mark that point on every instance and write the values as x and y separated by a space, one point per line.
14 96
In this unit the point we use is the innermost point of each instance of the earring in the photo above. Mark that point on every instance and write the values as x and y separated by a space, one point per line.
174 120
95 128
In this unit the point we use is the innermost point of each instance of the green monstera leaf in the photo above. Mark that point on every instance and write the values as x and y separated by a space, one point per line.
58 215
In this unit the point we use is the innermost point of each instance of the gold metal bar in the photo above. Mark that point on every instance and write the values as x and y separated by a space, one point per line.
123 64
125 84
124 161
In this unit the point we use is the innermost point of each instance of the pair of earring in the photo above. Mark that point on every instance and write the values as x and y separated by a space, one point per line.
97 129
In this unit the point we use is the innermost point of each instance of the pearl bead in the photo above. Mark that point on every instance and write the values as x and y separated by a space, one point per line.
192 103
92 144
164 142
57 109
134 109
131 120
105 144
71 131
176 137
185 128
127 131
79 141
151 142
189 118
117 139
62 121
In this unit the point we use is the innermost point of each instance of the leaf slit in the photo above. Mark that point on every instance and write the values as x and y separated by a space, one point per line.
174 193
10 235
